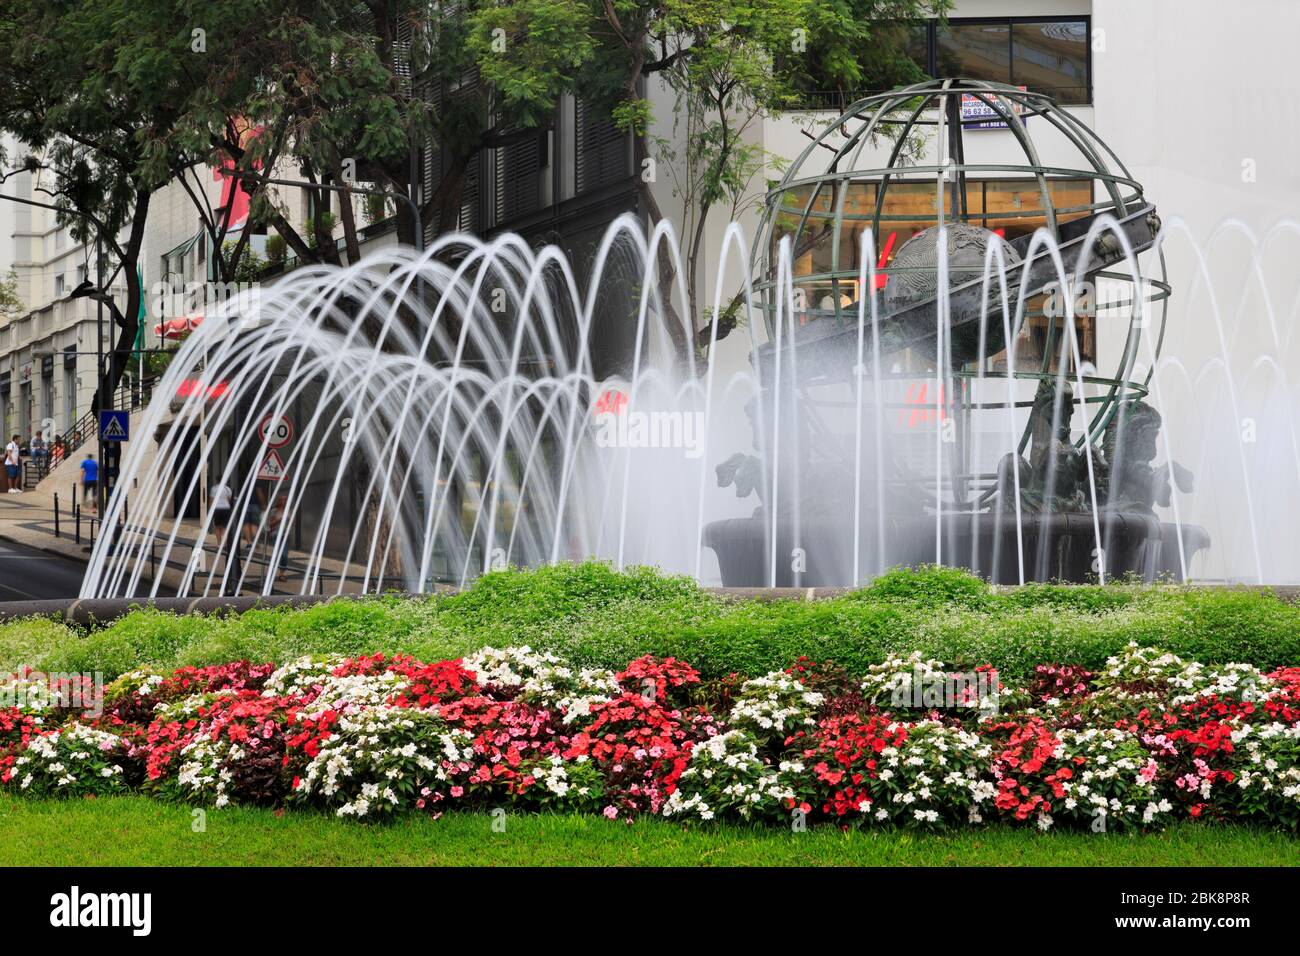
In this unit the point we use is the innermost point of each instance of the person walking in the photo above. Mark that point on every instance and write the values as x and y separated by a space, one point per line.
90 479
13 467
253 511
221 498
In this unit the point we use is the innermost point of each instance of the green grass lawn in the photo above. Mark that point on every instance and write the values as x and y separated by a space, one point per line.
137 831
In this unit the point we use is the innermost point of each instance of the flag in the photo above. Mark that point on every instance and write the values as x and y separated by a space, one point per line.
141 314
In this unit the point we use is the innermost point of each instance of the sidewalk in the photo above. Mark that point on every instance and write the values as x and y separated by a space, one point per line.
29 519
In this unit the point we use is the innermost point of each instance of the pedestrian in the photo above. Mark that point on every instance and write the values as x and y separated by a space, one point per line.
253 514
57 452
90 479
221 498
13 467
40 455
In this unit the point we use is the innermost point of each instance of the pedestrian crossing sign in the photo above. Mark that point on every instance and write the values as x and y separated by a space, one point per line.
114 425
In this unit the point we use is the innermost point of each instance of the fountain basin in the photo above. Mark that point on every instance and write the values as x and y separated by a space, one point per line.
1055 547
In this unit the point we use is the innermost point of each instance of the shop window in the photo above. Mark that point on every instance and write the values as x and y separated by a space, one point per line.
1048 55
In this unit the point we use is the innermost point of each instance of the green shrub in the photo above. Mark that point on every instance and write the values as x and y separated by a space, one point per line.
1071 596
100 652
931 585
277 250
599 617
32 642
514 598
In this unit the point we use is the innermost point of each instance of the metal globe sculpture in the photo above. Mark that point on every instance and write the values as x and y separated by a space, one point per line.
916 281
1047 242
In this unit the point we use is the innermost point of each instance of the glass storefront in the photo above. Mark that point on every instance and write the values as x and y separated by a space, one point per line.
1011 208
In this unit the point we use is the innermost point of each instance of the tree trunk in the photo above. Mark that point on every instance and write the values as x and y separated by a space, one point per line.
693 266
350 242
683 343
450 192
127 321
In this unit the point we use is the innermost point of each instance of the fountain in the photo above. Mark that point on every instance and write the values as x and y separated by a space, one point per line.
957 301
919 385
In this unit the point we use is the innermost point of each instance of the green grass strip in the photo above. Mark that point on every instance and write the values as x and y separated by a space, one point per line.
137 831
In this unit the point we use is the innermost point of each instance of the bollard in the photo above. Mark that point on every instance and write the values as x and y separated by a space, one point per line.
76 515
56 514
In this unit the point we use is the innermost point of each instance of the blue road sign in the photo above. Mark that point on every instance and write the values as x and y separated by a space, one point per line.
114 425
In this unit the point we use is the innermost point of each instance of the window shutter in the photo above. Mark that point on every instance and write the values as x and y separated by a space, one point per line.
602 151
518 178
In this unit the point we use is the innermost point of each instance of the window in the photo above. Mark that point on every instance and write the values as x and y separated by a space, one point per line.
520 171
60 285
602 150
1052 58
981 51
1048 55
1044 55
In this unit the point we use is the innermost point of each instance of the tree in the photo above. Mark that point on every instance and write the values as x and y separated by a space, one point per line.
725 82
353 89
730 63
95 110
10 303
106 98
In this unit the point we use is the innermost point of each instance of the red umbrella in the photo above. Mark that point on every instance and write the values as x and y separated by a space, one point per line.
179 326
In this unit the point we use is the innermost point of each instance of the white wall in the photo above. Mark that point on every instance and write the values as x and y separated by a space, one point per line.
1202 101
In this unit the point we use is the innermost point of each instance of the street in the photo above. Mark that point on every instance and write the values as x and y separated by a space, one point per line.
27 574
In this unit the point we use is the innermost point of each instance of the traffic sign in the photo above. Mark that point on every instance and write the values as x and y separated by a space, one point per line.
276 431
114 425
272 467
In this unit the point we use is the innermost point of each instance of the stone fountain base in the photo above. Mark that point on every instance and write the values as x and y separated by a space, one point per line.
1055 547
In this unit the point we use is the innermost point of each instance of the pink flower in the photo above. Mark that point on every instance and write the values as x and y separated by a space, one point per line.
611 812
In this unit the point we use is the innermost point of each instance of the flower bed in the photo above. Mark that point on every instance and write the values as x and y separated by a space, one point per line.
1147 739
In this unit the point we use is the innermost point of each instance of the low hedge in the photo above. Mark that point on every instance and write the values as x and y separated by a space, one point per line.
595 616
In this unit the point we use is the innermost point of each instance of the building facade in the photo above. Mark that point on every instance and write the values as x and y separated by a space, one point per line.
48 351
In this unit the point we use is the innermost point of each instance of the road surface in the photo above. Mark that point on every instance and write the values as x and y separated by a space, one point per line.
27 574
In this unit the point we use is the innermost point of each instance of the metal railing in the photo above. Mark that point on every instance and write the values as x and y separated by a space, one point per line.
128 396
